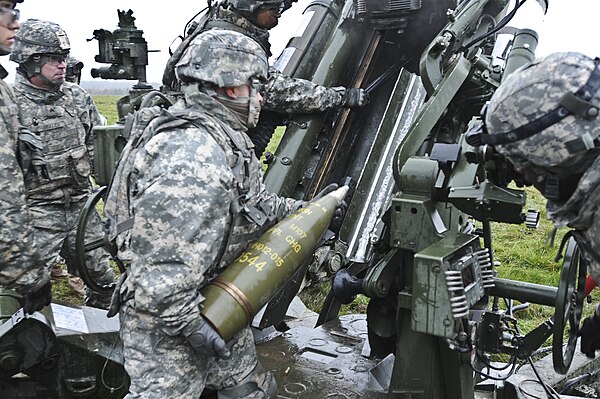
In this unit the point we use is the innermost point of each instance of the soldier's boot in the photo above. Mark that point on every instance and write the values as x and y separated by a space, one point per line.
259 384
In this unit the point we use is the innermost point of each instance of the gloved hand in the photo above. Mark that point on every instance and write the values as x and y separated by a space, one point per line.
36 300
205 340
590 334
356 98
338 217
328 189
340 211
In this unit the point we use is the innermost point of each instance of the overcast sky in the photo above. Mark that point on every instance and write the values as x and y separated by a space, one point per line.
570 25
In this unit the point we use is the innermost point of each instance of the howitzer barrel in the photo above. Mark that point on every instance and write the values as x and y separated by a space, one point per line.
525 292
522 52
234 297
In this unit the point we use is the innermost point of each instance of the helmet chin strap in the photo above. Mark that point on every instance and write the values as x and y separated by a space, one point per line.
32 68
52 84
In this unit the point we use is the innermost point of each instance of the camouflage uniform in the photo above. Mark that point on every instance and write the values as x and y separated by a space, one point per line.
63 118
189 187
20 267
282 95
73 73
560 159
582 213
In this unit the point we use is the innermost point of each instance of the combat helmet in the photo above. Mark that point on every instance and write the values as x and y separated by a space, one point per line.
222 57
547 112
544 119
36 37
251 7
73 72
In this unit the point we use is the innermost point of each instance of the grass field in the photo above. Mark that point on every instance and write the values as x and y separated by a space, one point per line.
107 106
523 254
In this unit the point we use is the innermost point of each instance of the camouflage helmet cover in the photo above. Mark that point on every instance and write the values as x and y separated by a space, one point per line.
73 64
251 6
39 37
532 92
222 57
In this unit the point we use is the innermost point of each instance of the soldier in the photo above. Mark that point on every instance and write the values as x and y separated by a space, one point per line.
282 95
63 115
74 67
20 266
544 118
191 188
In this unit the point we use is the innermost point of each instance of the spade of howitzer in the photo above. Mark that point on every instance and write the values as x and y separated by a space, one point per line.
234 297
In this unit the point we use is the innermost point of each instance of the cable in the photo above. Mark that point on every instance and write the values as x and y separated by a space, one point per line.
572 382
102 373
550 392
495 29
512 363
490 366
524 392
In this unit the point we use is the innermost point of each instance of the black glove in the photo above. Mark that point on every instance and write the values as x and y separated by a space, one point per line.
36 300
590 335
356 98
338 217
328 189
340 211
205 340
262 133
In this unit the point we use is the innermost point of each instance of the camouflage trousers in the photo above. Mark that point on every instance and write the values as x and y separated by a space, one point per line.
162 366
55 230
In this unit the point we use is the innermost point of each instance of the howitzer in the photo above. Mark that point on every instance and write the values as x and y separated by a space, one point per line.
411 240
408 241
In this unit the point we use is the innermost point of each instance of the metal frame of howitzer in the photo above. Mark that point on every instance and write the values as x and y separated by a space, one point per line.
407 241
413 252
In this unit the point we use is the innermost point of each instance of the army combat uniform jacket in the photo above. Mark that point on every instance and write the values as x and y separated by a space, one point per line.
20 267
64 120
582 213
281 94
187 190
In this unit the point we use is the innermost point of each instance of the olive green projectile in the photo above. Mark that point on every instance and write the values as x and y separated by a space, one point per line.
234 297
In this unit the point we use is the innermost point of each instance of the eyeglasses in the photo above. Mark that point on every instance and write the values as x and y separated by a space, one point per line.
54 59
14 13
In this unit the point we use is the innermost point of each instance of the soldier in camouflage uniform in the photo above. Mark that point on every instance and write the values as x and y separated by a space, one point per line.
190 187
282 95
63 115
20 266
544 118
73 72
